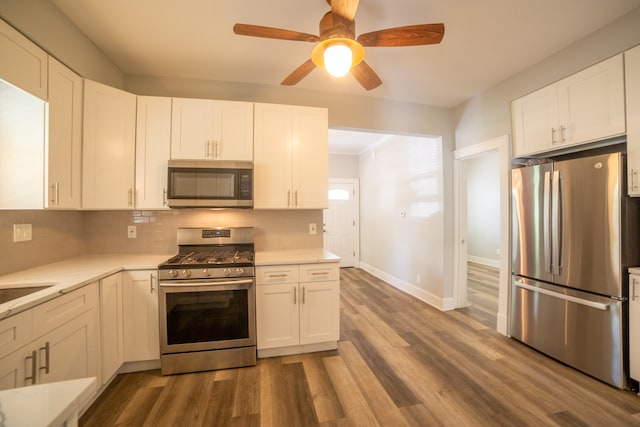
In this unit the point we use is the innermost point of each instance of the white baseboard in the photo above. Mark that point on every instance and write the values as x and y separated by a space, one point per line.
442 304
484 261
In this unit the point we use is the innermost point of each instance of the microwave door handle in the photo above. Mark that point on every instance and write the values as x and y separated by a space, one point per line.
546 229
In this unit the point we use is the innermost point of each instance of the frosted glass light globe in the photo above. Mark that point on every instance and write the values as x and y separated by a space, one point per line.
337 60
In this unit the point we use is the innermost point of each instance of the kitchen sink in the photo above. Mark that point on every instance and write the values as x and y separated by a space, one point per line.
12 292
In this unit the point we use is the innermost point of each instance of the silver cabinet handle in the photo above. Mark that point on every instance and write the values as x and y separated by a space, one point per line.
289 198
164 197
46 349
216 153
296 198
562 134
295 296
130 197
556 223
304 295
207 149
634 179
32 377
55 194
151 288
553 136
634 289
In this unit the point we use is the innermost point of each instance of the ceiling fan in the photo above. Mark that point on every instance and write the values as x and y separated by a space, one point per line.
337 42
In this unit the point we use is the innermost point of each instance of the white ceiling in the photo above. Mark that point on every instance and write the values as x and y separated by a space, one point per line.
485 41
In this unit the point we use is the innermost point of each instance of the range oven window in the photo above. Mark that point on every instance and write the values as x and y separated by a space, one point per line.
196 317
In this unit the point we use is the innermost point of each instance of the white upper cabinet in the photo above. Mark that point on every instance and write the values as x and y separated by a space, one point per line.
632 85
211 129
23 64
290 157
153 146
585 107
109 137
63 158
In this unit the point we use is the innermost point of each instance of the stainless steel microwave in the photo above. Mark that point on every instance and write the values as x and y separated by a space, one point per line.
210 183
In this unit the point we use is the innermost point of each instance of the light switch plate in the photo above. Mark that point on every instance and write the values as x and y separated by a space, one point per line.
21 232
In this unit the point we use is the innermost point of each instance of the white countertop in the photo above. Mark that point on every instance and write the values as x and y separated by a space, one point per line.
70 274
634 270
296 256
45 404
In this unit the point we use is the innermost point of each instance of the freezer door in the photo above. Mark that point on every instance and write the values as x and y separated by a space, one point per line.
582 330
586 220
531 233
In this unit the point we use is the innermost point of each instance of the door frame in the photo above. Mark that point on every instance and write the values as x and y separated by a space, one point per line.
503 146
356 214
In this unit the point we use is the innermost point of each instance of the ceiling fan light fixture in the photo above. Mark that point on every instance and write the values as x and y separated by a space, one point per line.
338 59
322 55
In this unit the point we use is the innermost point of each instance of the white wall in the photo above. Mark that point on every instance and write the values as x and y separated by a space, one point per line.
483 207
403 214
487 115
344 166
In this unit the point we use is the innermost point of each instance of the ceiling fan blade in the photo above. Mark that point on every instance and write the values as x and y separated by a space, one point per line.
365 75
411 35
299 73
273 33
345 8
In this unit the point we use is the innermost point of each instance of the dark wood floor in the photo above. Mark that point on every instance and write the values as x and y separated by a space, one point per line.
400 362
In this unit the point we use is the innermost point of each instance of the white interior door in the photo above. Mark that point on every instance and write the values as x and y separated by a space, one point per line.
341 225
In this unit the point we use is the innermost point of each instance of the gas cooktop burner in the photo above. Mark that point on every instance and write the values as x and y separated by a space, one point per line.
213 258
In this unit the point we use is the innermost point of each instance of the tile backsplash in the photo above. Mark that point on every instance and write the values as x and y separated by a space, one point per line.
64 234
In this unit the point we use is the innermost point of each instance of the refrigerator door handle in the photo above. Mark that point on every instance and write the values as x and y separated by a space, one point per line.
592 304
546 229
556 223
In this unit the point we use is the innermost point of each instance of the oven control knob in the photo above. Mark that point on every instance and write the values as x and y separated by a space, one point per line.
227 272
239 271
186 273
206 272
173 273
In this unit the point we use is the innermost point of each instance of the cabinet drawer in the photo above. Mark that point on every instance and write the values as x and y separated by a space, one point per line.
319 272
54 313
275 274
15 332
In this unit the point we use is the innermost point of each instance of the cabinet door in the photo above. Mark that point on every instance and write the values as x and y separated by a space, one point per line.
592 102
535 121
111 325
271 157
192 129
153 147
277 321
233 131
634 326
632 87
310 158
23 63
319 312
108 158
18 368
63 158
71 351
140 309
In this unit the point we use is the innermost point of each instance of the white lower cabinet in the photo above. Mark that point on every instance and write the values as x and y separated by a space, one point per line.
634 326
297 306
111 325
65 347
140 310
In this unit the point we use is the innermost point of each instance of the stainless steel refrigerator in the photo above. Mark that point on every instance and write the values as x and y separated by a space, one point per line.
572 234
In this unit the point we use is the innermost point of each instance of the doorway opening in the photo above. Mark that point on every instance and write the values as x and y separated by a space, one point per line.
500 147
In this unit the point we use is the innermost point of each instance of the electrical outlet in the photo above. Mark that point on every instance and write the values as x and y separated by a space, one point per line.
312 228
21 232
131 231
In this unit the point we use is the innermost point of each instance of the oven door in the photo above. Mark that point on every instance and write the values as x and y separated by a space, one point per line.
207 314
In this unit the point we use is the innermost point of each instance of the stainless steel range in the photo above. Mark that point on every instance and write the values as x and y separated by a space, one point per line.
207 301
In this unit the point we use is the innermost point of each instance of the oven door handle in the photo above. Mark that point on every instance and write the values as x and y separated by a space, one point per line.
207 283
